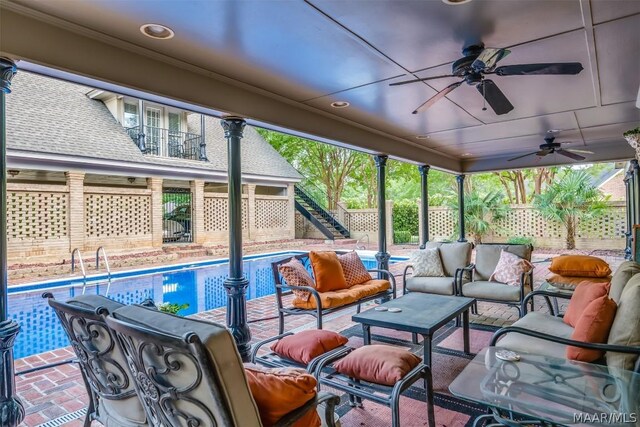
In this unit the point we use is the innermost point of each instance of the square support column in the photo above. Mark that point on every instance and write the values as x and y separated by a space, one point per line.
251 211
291 211
11 409
75 182
157 232
236 285
197 211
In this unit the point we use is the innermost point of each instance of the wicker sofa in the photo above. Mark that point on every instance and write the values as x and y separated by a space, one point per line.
546 334
323 303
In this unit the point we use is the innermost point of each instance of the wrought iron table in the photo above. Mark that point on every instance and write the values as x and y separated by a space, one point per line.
547 391
421 314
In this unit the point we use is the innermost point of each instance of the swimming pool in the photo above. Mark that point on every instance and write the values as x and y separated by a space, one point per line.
200 285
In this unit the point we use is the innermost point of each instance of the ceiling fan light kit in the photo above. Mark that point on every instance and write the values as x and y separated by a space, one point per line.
477 63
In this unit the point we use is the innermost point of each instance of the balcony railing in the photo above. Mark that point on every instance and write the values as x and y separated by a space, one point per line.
168 143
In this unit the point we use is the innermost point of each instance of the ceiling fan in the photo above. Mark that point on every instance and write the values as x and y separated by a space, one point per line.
479 61
550 147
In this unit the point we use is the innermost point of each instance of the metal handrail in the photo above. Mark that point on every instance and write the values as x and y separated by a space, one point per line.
106 263
173 143
360 240
73 267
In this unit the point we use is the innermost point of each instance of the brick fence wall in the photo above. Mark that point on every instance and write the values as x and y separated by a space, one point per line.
48 220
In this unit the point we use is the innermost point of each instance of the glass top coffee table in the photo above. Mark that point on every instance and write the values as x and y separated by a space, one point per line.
420 314
549 391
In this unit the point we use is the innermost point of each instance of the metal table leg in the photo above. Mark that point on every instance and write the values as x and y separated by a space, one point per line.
366 334
426 357
465 330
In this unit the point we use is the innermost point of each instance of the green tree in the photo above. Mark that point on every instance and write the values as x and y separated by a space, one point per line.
481 212
571 200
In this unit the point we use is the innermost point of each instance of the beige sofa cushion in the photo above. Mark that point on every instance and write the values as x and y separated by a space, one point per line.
431 285
540 322
127 412
487 257
454 255
231 403
621 277
492 290
625 330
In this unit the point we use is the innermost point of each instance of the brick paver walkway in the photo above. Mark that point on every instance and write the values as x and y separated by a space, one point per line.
50 393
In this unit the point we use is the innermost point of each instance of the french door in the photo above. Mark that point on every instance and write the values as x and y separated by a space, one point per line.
153 130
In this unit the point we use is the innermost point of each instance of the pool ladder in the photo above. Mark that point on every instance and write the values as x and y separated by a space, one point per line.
84 271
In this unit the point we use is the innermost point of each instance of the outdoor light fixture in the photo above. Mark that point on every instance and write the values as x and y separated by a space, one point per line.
340 104
157 31
131 180
455 2
13 172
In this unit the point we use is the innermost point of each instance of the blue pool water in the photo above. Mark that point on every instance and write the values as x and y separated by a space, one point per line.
199 285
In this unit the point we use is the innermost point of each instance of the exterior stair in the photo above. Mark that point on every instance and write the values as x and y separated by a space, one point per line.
314 211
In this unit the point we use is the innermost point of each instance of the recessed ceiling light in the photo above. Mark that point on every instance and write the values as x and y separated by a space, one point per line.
340 104
454 2
466 154
553 130
423 137
157 31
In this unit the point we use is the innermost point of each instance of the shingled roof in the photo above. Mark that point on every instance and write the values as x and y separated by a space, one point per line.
45 115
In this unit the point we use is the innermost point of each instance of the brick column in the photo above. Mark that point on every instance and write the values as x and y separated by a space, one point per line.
291 212
251 214
389 219
197 211
75 182
155 185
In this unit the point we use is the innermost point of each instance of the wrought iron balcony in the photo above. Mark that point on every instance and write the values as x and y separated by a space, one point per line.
168 143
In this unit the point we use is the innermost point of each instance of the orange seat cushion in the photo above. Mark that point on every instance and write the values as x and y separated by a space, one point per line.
305 346
593 327
281 390
342 297
580 266
379 364
581 298
354 270
572 282
327 271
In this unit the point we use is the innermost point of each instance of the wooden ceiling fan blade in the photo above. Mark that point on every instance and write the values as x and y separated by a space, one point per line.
494 96
570 155
537 69
573 150
435 98
406 82
543 153
520 157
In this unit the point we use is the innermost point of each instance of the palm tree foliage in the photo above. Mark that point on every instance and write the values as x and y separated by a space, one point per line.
482 212
571 200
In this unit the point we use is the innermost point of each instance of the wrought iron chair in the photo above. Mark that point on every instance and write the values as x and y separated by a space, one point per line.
112 397
282 290
189 372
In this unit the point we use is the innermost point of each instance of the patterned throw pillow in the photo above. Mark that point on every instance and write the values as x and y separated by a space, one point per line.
295 274
354 270
427 263
509 269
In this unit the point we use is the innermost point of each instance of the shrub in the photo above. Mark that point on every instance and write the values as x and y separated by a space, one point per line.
405 217
173 308
521 240
401 236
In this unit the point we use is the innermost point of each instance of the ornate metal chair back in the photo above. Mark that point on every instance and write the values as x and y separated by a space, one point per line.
113 398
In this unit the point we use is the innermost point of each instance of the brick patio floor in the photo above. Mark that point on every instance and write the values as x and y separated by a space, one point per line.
51 393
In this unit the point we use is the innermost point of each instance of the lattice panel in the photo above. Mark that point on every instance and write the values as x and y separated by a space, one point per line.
299 221
611 225
363 221
37 215
216 214
111 215
272 213
527 222
442 223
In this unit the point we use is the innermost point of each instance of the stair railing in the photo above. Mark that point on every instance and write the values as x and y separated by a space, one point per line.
316 199
106 263
82 269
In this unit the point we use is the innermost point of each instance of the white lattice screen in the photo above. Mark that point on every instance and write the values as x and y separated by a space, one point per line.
216 216
363 220
526 221
37 215
272 213
611 225
442 223
114 215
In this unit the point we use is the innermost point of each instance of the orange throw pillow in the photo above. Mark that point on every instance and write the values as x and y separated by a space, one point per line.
305 346
354 270
280 391
594 326
579 266
581 298
380 364
327 271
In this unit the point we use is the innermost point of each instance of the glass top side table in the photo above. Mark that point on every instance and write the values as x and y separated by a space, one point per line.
543 390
